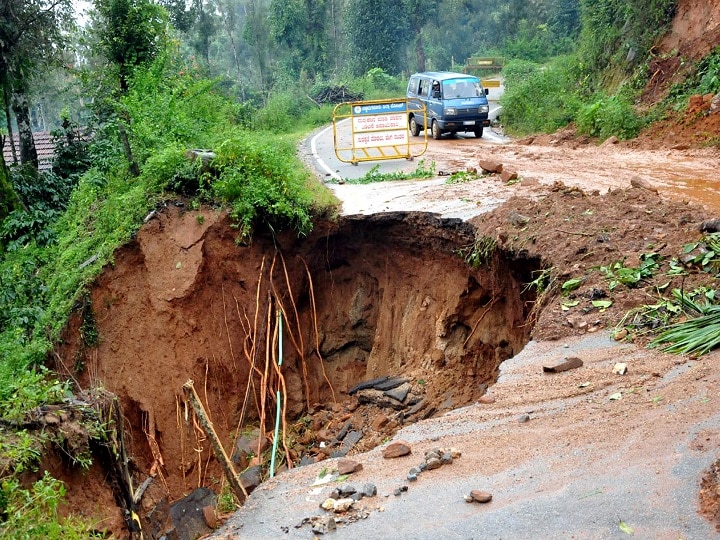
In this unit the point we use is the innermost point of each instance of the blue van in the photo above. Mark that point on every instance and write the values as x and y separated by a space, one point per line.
454 102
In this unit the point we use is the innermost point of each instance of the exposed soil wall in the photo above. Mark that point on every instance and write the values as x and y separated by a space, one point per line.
380 295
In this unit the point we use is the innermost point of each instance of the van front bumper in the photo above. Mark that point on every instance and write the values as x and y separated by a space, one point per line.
459 125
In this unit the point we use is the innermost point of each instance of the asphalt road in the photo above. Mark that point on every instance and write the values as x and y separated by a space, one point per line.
607 475
321 146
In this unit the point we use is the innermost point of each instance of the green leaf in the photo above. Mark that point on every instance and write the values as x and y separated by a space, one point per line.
615 396
602 305
624 527
571 285
569 304
178 265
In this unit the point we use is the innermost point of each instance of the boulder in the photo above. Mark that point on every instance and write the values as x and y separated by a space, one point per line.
396 449
489 166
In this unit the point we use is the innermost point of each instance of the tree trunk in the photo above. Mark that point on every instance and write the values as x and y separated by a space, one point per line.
132 164
420 53
21 108
8 120
9 200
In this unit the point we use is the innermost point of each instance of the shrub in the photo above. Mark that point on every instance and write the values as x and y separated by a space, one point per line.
539 98
260 179
607 116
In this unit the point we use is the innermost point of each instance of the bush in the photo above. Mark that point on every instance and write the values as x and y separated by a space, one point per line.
539 97
260 178
609 116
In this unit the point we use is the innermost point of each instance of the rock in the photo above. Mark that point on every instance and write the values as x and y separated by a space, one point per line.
518 220
569 363
210 517
323 524
438 358
486 400
419 406
379 422
710 225
251 477
433 463
348 466
328 504
455 453
379 399
399 393
507 175
351 439
346 490
446 458
641 183
524 418
188 515
622 334
392 382
715 104
367 384
610 141
481 496
412 477
368 490
619 368
306 460
357 496
249 442
397 492
396 449
323 435
490 166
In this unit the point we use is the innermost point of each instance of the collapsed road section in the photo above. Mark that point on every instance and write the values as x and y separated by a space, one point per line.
295 322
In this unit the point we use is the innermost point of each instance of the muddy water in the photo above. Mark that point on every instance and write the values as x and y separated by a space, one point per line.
702 190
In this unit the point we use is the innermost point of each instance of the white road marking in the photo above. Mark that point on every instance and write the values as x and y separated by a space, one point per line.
321 163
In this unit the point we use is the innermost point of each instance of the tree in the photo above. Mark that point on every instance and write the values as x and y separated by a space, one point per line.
420 11
130 34
376 31
31 36
255 33
300 28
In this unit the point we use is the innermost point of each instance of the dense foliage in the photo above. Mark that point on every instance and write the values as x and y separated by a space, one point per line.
596 86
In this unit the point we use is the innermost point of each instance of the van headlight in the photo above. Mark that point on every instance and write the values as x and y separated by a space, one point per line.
483 109
450 111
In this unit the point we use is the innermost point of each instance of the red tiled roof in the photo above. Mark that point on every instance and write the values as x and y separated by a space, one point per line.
43 144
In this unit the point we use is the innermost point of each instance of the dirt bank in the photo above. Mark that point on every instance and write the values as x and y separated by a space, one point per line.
369 296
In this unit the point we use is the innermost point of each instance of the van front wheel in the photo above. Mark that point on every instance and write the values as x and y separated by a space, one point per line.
414 128
478 132
435 130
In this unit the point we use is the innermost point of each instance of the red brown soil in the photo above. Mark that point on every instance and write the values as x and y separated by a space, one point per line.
391 296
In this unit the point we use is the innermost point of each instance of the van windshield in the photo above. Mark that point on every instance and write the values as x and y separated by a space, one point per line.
462 88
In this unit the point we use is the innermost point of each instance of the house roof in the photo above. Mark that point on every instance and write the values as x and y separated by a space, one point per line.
43 144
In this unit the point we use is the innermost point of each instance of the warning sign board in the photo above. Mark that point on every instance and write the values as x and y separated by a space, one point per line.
377 130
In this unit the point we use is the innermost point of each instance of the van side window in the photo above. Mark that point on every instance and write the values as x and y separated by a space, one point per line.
424 87
413 86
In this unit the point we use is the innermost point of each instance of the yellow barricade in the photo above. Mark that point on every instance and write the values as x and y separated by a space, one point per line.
377 130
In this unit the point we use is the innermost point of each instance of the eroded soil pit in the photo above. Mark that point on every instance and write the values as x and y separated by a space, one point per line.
361 298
